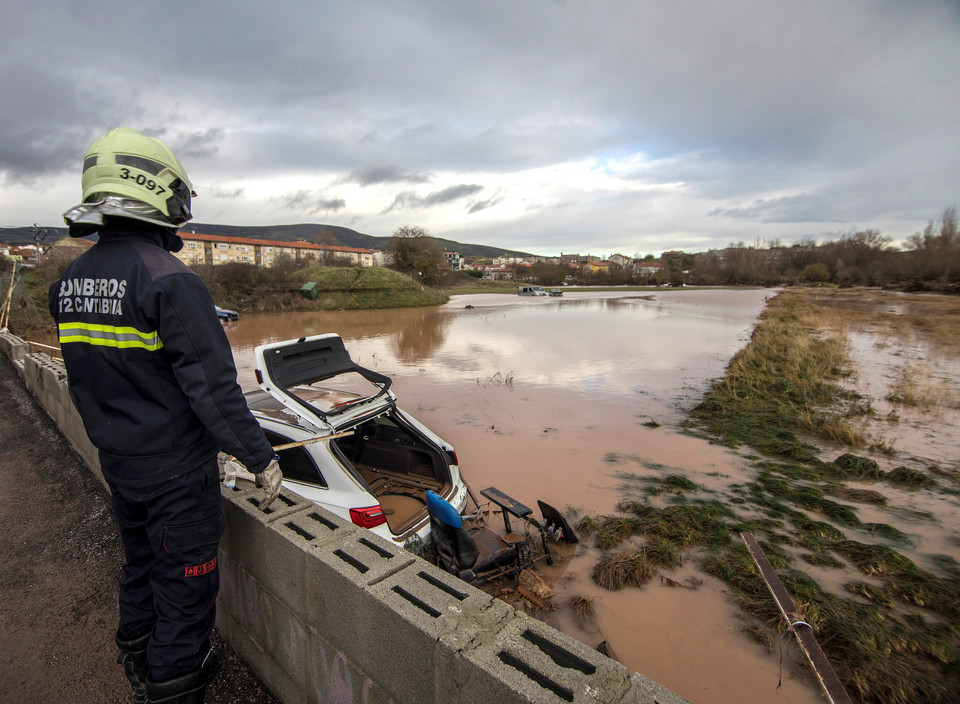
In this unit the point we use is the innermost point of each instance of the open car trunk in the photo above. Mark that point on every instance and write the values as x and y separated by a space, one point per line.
315 384
399 466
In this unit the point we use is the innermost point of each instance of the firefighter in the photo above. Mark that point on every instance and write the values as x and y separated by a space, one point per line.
152 374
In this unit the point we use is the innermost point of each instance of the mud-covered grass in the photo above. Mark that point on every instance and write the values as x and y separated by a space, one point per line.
783 384
893 634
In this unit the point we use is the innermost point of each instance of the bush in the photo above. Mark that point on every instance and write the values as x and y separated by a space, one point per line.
815 273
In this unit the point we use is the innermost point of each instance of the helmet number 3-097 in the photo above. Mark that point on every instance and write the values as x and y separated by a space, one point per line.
142 180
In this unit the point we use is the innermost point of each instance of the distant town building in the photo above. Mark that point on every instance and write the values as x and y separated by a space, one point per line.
454 260
596 267
218 249
497 274
648 269
622 260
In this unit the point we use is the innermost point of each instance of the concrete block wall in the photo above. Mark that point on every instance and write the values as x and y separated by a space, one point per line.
325 611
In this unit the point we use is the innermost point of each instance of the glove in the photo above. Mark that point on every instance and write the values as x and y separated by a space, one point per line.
231 470
269 480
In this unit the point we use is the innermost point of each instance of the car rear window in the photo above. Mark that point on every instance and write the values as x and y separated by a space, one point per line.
296 463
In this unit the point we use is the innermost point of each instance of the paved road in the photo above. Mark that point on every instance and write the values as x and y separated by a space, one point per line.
61 558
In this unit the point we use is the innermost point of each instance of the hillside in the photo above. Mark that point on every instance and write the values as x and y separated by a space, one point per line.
331 234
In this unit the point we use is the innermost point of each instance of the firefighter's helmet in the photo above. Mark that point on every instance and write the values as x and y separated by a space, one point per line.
126 163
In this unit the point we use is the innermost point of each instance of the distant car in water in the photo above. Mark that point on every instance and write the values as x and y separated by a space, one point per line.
556 292
225 314
530 291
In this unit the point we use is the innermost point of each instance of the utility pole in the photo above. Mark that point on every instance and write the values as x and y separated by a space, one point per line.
39 235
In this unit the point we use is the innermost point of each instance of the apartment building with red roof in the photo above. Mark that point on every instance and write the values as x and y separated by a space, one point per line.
218 249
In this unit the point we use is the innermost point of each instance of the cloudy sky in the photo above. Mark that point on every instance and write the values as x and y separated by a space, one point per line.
600 126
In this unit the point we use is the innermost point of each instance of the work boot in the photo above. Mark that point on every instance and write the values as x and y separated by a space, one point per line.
185 689
133 657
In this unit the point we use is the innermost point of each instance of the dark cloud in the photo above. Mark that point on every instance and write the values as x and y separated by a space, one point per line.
800 208
218 191
46 120
382 172
477 206
310 202
197 145
409 199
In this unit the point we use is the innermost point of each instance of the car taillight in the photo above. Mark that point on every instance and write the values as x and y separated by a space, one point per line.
453 457
368 517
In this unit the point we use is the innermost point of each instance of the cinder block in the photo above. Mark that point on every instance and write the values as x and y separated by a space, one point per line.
275 551
529 661
646 691
334 677
265 621
31 372
276 677
247 496
52 372
413 607
14 347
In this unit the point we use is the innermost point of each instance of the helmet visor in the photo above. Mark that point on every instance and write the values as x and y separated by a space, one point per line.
178 204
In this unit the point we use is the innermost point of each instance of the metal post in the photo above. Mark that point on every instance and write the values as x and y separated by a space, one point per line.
802 630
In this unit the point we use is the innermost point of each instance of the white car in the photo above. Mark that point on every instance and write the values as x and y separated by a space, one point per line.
363 458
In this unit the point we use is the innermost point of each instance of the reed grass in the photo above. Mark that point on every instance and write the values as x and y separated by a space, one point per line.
613 531
584 612
785 381
623 569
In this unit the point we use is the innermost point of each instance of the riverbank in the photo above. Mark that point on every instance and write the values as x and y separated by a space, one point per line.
248 289
857 517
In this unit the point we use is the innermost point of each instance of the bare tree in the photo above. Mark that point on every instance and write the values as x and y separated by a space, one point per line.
415 253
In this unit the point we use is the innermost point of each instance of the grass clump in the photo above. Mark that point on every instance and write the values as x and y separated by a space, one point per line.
613 531
684 525
854 467
873 593
907 478
589 525
863 496
886 531
623 569
947 564
583 611
663 553
678 482
812 499
875 559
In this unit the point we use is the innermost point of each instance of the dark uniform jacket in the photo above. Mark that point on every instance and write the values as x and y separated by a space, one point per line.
150 368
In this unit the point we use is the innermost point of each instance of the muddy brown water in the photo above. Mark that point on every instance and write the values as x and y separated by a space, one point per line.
552 398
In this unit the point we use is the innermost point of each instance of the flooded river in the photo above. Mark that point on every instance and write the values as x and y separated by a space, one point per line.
559 399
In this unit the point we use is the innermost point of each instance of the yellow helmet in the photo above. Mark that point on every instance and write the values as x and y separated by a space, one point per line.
126 163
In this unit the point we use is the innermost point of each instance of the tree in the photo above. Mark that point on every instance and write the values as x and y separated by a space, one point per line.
936 252
815 272
415 253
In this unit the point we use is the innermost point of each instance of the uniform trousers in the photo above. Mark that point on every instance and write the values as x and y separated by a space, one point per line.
168 588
